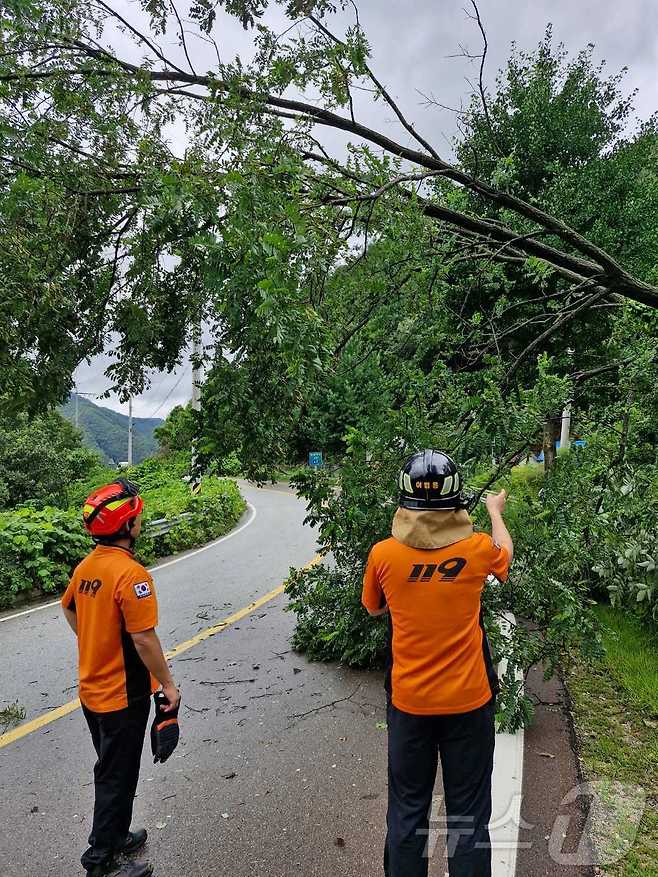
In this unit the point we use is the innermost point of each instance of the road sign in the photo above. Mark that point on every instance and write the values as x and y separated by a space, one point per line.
315 459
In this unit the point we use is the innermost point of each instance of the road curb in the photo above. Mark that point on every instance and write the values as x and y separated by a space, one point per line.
590 871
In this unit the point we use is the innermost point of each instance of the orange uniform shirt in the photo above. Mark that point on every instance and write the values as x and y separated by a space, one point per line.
440 655
113 596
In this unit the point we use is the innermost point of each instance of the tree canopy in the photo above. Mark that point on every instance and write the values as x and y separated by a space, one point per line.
117 236
367 299
39 458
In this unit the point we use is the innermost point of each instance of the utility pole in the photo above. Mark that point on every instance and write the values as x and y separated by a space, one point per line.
196 369
195 481
548 442
130 431
565 432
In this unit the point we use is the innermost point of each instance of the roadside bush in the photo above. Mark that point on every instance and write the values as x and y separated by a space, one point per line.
330 618
213 511
630 574
152 474
295 472
76 492
586 527
155 472
626 562
231 465
39 548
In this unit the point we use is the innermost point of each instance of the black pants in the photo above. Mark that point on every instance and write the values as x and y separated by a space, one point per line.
118 739
465 743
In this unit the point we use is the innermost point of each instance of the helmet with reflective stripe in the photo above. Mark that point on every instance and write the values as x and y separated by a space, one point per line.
108 509
430 480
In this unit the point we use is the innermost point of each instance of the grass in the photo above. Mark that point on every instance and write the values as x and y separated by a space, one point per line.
632 656
616 714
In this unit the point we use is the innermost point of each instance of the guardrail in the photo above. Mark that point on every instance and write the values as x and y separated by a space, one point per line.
163 525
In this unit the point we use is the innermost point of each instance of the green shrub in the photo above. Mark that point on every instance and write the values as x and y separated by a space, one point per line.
625 555
213 511
631 574
230 465
151 474
158 471
586 527
78 491
39 457
330 618
39 548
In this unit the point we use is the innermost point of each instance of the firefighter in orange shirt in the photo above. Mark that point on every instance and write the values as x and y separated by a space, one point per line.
111 606
441 683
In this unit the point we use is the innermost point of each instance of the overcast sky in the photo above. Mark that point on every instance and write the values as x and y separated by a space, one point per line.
411 42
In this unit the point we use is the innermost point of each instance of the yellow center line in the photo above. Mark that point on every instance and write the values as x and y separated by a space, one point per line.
64 710
35 724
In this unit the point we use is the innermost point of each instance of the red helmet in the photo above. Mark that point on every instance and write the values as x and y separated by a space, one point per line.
109 508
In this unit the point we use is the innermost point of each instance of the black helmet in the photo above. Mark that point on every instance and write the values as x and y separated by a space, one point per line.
430 480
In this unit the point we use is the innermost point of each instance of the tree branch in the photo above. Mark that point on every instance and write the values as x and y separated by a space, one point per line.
182 36
597 262
384 93
561 321
140 36
483 96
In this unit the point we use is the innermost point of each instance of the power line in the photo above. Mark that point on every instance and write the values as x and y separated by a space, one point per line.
76 398
156 387
182 375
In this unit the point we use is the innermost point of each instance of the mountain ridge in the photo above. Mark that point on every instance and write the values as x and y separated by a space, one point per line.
106 431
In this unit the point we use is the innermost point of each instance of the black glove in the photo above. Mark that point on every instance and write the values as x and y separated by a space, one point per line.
164 730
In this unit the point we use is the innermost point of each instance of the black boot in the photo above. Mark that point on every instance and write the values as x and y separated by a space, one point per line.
135 841
101 870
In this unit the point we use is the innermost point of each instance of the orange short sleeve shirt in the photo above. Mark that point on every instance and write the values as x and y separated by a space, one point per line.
113 596
440 655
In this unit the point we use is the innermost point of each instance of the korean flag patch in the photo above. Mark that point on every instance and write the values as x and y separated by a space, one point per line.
143 589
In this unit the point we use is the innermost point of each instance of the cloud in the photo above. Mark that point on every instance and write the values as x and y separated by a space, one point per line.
166 390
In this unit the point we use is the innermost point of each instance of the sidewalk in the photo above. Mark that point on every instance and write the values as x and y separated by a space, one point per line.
552 828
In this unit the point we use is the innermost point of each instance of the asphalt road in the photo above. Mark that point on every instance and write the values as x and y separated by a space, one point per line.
39 659
281 766
281 769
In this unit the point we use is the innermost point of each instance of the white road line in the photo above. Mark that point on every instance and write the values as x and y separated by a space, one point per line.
507 789
151 568
210 544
